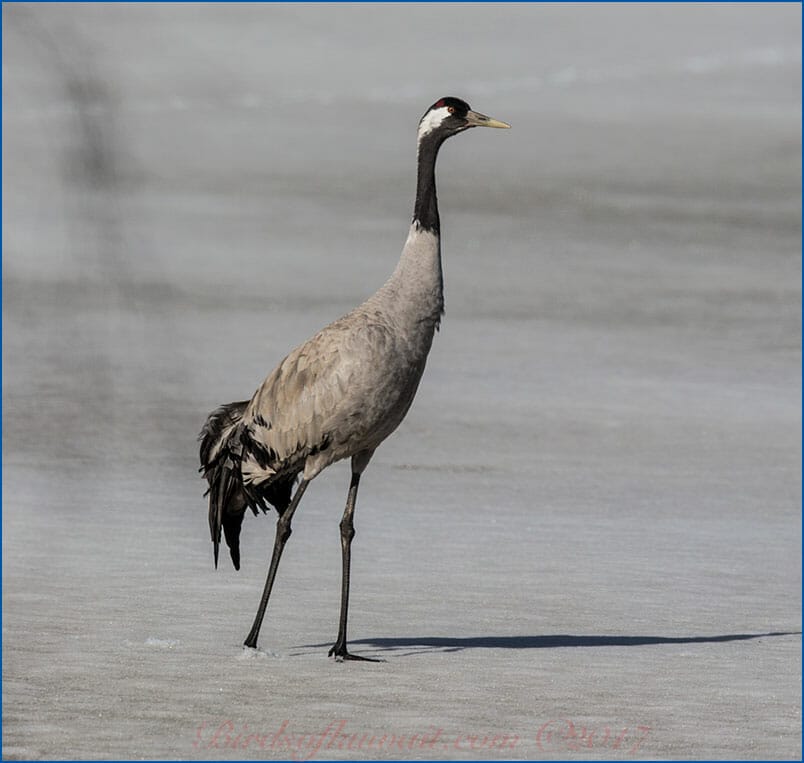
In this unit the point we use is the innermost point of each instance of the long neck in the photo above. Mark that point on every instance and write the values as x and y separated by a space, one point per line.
415 290
425 211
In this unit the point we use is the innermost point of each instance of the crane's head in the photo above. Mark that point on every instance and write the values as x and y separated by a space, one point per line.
448 116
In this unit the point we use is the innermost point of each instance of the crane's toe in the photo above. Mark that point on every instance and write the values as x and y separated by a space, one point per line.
340 654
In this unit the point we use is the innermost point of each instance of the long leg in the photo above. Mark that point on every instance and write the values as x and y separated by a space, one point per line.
282 534
339 651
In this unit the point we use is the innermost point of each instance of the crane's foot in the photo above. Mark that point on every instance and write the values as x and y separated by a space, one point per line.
340 654
251 642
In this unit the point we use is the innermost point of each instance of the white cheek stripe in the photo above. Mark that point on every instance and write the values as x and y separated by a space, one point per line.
431 120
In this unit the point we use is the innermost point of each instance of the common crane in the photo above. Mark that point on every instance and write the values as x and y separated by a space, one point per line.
341 393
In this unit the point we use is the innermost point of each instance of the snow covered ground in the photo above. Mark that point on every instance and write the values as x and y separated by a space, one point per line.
584 541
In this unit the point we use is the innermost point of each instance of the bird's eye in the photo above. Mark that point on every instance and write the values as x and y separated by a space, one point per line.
451 109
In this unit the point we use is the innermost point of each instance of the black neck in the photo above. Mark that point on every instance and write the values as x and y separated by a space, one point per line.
425 212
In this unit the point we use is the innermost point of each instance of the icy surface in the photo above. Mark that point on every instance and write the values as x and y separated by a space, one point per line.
585 539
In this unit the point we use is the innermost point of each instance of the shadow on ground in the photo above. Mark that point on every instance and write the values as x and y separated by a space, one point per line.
422 644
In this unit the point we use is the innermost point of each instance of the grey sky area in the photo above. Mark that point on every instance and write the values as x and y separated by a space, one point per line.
585 539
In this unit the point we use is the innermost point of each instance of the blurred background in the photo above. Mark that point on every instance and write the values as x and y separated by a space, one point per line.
189 191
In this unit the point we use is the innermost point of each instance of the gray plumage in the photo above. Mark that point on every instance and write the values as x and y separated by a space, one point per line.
340 393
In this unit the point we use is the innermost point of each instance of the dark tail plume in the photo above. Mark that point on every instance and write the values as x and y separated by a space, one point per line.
220 461
223 442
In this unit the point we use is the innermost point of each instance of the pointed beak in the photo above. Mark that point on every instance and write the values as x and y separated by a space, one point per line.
481 120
